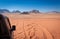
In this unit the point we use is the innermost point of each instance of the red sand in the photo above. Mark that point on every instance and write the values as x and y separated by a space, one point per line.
43 26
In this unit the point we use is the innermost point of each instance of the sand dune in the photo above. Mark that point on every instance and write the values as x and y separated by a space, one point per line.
36 26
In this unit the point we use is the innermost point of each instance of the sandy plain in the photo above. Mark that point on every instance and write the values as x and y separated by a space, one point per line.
35 26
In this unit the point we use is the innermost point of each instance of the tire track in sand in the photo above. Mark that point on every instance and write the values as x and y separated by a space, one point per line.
46 33
33 28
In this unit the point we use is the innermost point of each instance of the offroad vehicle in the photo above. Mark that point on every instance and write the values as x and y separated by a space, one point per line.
6 30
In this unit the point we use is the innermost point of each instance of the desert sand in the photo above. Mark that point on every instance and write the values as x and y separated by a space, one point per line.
35 26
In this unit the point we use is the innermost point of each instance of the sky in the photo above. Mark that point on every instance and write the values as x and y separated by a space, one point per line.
28 5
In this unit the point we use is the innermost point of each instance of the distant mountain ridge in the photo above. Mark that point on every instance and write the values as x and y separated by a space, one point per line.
4 10
53 12
35 11
17 11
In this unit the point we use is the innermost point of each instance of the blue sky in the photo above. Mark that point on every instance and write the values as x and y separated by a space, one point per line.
28 5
